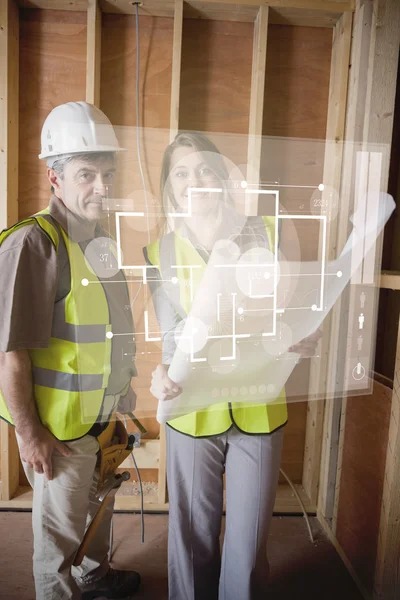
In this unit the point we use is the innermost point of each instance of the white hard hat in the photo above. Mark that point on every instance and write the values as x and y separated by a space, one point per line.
77 128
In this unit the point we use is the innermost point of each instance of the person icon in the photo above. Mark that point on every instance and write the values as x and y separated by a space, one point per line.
359 342
363 297
361 320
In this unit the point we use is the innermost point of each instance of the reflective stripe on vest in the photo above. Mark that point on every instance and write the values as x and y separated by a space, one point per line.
70 375
265 418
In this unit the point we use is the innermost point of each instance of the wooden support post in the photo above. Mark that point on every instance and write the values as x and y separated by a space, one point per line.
176 68
319 374
257 97
354 134
390 280
9 462
93 53
9 73
335 6
9 105
162 468
370 121
384 55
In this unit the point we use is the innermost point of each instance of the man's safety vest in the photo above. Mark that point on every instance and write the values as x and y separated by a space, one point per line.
173 249
70 376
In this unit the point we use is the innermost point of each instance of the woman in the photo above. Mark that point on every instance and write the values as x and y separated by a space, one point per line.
242 441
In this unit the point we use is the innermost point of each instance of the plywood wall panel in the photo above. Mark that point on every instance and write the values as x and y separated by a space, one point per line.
52 71
362 475
216 76
294 441
118 69
297 81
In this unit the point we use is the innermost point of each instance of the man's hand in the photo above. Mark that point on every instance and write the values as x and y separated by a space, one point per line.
37 447
306 347
162 387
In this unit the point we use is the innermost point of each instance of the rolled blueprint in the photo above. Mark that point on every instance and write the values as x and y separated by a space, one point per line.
258 364
193 333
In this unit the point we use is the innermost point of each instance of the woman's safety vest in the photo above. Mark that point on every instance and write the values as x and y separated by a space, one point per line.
173 249
70 376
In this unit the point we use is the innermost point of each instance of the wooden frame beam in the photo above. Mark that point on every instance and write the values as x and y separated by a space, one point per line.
93 53
257 95
390 280
320 426
176 68
336 169
338 6
354 130
9 462
312 13
384 56
334 6
285 501
9 106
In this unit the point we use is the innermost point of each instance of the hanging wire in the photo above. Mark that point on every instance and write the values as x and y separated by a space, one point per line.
141 496
301 504
140 487
136 4
138 128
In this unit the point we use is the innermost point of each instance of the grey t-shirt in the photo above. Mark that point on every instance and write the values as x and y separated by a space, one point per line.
33 278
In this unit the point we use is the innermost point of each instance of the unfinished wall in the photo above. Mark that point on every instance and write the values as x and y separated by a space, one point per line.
364 468
215 97
362 476
52 71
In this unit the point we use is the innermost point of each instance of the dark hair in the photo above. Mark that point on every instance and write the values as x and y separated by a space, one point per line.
199 143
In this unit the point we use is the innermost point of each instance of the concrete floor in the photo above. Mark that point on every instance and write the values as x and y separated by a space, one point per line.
298 569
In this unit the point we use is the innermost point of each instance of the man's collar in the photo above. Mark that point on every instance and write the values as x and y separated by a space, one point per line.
75 228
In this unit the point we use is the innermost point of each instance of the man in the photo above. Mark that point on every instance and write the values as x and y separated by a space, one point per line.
63 373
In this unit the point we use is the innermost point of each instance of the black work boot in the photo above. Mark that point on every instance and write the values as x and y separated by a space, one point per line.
115 584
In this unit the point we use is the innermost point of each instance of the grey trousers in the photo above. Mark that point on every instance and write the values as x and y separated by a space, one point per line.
195 470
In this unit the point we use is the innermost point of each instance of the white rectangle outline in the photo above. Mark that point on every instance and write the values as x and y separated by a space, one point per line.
142 268
146 329
275 264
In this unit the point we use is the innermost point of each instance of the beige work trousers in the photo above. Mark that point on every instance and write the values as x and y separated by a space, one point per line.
62 509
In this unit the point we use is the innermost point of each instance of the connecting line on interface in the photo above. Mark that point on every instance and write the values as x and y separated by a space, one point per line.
137 294
136 5
301 504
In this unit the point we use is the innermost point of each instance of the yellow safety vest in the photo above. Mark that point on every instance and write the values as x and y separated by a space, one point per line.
218 418
70 376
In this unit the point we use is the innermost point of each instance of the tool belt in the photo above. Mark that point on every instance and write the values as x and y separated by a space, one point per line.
115 446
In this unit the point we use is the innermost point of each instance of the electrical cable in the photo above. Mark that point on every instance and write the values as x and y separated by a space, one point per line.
141 496
140 488
110 546
301 504
136 4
